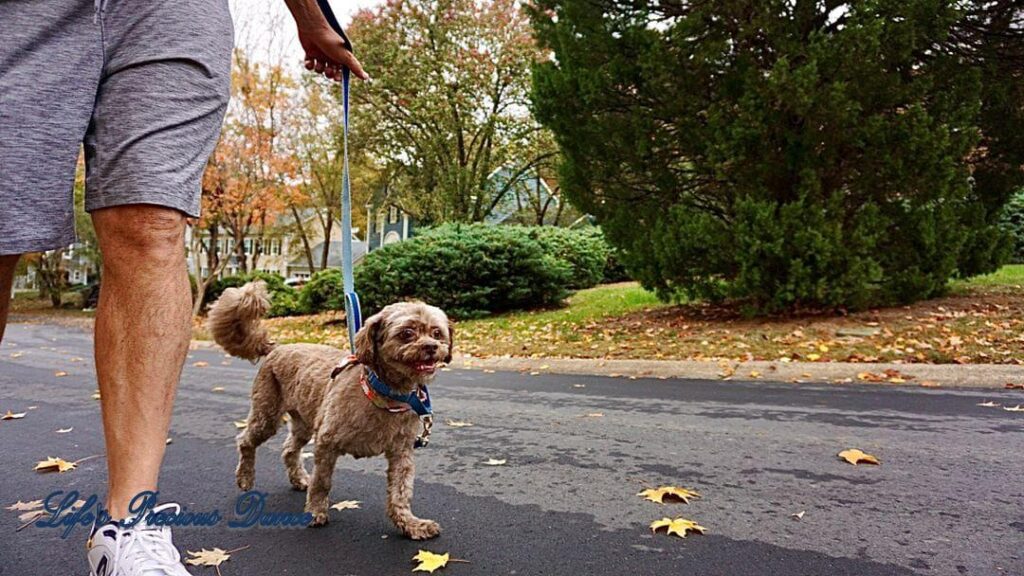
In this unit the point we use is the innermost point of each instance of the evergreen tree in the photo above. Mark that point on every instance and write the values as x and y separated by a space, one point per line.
792 153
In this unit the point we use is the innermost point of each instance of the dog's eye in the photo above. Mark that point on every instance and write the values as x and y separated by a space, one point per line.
408 334
437 334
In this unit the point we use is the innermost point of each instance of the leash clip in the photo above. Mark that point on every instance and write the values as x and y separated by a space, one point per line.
424 438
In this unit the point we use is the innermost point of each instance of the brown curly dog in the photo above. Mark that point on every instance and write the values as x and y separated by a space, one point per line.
402 344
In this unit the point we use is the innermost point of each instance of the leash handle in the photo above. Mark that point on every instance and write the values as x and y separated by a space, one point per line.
332 21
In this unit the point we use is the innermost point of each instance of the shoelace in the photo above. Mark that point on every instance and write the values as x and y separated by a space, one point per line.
148 548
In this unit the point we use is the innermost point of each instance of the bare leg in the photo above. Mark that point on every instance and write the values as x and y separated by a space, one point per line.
319 493
7 265
292 453
401 472
142 336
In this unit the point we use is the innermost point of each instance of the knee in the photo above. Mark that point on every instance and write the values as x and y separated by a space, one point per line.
140 235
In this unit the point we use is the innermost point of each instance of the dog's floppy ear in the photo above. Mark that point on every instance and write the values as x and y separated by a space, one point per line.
368 338
451 342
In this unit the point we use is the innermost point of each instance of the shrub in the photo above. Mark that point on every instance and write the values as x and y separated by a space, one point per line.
1013 223
283 297
585 251
324 291
468 270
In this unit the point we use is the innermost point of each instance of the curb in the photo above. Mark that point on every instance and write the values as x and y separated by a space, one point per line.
992 376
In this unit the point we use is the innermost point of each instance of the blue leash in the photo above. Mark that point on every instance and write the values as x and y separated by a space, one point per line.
353 312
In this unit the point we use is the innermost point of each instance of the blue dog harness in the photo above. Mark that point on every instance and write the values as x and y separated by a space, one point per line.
376 390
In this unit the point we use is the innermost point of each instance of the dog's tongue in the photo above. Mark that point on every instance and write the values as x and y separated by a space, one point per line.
424 367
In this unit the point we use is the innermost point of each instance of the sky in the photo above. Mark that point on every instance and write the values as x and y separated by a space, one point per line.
265 28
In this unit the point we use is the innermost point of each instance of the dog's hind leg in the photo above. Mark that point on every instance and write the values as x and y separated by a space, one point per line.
264 416
298 436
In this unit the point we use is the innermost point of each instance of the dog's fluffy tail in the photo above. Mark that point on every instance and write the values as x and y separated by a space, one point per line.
234 321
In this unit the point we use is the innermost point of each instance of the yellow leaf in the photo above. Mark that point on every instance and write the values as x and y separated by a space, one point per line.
52 464
60 373
22 506
814 357
458 423
200 364
855 456
12 416
755 374
428 561
217 389
677 526
672 492
346 505
207 557
494 462
240 424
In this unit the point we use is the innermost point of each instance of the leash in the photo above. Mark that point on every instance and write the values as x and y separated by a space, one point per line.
419 399
353 312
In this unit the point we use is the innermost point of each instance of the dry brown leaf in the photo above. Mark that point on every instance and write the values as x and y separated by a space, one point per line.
201 364
677 526
671 492
458 423
60 374
855 456
346 505
217 389
12 416
798 516
240 424
52 464
23 506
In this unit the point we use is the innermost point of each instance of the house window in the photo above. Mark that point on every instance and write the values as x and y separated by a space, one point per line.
247 247
392 215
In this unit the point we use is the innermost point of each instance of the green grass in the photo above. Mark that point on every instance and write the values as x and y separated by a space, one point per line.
586 305
1011 275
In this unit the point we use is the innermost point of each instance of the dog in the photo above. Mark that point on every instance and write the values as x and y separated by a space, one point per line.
402 345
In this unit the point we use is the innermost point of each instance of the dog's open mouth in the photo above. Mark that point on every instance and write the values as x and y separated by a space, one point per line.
424 367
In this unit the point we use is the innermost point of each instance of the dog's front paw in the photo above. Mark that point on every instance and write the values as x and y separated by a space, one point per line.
420 529
299 484
319 519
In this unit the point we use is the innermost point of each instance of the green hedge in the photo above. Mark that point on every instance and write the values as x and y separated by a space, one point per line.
468 270
584 250
1013 222
284 299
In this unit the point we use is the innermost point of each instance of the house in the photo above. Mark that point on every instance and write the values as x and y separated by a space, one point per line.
79 268
298 267
387 223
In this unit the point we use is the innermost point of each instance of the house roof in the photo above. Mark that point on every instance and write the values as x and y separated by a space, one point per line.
333 254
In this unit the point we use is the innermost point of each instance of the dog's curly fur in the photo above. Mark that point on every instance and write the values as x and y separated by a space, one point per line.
402 344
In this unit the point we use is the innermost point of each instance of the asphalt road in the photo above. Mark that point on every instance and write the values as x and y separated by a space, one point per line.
947 499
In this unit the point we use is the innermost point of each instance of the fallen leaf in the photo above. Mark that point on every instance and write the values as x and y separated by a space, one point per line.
17 354
428 561
458 423
64 430
814 357
12 416
1012 386
168 441
60 373
855 456
579 385
594 415
96 395
32 516
989 404
240 424
52 464
1017 408
755 374
929 384
201 364
494 462
217 389
22 506
677 526
206 557
672 492
798 516
346 505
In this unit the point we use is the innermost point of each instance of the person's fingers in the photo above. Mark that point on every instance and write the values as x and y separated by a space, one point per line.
310 63
320 66
337 53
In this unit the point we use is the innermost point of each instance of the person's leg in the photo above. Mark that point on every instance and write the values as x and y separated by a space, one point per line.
143 325
7 265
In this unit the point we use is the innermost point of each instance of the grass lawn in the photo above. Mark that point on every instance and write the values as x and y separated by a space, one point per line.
981 321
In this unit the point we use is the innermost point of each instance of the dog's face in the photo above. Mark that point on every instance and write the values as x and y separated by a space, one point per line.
406 341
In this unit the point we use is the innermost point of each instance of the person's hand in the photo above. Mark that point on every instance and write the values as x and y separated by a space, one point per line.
326 53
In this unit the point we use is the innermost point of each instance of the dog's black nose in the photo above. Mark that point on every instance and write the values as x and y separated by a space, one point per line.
431 348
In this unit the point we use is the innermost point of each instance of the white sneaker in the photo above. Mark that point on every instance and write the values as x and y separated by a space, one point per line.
141 550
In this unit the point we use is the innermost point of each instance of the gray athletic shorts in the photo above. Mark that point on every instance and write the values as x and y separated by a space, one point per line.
143 84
